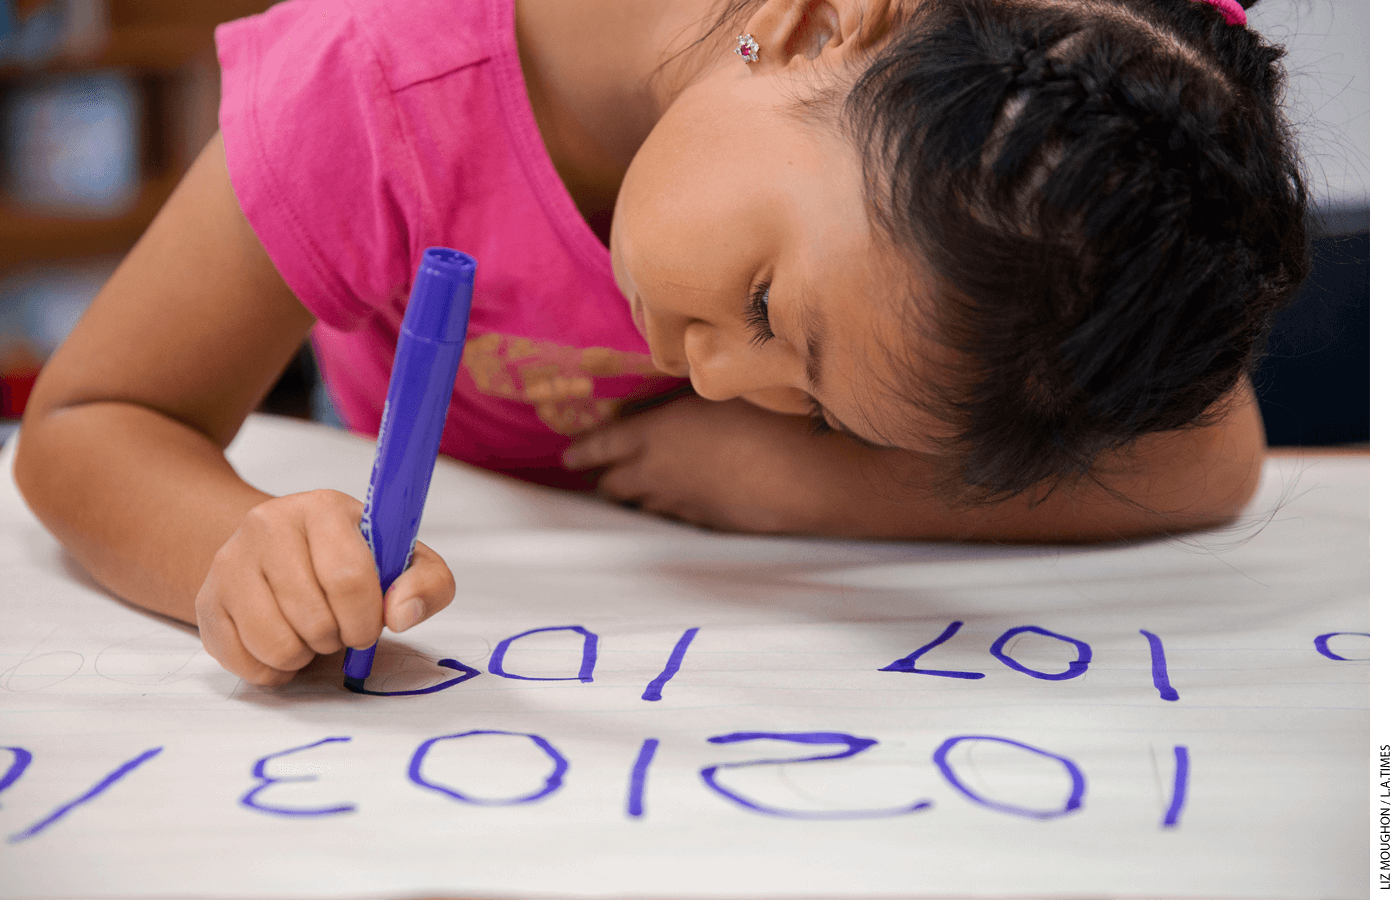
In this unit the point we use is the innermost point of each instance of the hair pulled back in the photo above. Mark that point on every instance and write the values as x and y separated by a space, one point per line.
1107 201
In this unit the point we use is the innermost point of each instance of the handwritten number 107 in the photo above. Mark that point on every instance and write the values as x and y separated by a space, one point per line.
1077 666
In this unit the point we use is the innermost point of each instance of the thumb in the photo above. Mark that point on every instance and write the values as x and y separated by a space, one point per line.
424 589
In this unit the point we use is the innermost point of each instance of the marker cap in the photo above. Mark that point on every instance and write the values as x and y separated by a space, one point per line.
442 295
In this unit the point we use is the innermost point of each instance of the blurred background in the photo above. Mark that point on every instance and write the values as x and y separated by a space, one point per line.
104 103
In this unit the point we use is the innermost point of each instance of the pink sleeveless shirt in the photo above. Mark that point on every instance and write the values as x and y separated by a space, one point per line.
360 132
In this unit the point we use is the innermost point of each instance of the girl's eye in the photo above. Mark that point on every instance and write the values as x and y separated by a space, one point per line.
756 315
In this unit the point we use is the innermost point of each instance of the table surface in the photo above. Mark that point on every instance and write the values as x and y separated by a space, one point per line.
1223 684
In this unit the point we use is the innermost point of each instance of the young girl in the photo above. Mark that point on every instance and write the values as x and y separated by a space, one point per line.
938 269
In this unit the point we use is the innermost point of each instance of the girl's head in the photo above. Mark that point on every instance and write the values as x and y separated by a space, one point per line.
1019 232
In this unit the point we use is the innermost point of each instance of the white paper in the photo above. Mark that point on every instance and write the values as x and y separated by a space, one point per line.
790 638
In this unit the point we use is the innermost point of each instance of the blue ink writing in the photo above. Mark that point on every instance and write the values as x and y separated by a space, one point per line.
853 745
1072 802
1320 642
585 667
1159 666
92 793
1076 667
906 663
637 784
1179 782
552 782
354 685
260 772
20 760
673 665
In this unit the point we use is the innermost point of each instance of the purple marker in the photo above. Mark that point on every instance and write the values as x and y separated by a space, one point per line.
410 432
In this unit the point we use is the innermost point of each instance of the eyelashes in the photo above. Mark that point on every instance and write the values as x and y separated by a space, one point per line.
756 315
761 332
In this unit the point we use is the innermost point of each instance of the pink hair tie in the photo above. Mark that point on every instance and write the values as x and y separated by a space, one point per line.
1230 9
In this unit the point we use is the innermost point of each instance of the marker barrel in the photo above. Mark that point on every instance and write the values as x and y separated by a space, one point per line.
426 360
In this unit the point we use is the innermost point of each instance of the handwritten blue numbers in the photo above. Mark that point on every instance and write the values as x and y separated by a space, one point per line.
1076 778
1077 666
276 775
1159 666
636 785
673 665
20 759
1180 779
906 663
1321 643
467 673
87 796
852 744
251 801
1084 654
552 782
586 663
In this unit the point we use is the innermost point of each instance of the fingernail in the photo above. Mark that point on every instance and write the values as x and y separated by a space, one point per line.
407 614
570 458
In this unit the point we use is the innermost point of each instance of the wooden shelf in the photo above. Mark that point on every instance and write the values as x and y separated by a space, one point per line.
150 35
28 238
139 48
168 46
200 13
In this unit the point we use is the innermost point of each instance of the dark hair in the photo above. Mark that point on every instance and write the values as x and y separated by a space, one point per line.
1108 205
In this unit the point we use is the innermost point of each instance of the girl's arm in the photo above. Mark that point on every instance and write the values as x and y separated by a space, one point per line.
736 467
121 451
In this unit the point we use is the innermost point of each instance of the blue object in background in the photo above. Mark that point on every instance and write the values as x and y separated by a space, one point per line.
35 41
75 30
426 360
71 144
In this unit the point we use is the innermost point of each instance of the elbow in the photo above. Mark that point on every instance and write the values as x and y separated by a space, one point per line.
1230 485
1218 488
1211 473
1234 465
33 468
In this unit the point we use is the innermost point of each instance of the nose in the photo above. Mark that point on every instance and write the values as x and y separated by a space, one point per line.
667 351
723 366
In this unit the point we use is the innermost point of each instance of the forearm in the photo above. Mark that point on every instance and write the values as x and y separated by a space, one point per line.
736 467
883 496
1179 481
142 501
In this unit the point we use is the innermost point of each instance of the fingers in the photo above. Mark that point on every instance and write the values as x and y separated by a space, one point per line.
345 582
424 589
604 446
268 651
626 484
297 579
222 641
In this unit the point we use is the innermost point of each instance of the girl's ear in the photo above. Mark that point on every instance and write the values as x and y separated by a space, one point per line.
831 30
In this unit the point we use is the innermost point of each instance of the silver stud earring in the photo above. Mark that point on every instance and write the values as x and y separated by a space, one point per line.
747 49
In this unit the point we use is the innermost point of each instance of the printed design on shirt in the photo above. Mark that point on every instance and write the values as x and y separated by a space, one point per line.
558 380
